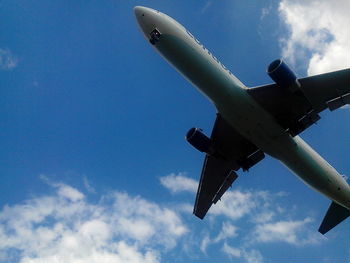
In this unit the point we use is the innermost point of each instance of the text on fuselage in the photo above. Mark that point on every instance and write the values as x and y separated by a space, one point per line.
206 50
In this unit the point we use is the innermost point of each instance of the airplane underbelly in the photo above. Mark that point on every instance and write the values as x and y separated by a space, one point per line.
293 152
316 172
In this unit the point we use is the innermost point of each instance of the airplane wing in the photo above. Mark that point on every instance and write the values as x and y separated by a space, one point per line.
297 111
234 152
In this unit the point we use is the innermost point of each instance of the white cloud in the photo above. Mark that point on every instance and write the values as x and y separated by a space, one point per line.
319 32
253 256
69 192
184 208
250 256
227 231
234 205
260 206
179 183
205 243
7 60
65 227
264 216
292 232
231 251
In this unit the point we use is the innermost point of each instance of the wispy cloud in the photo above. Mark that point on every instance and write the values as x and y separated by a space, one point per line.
265 11
206 241
231 251
318 31
253 256
88 186
206 6
227 231
250 256
7 60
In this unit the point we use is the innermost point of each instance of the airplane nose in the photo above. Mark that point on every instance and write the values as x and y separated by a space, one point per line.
148 20
143 17
139 11
142 12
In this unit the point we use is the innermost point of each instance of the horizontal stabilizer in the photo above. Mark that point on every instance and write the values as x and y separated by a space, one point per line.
335 215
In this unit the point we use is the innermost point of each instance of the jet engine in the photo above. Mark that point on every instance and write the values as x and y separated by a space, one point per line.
284 77
199 141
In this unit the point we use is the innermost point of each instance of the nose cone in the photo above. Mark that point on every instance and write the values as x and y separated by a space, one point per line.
140 11
147 18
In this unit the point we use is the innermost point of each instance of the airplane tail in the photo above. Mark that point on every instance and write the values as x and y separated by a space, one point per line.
335 215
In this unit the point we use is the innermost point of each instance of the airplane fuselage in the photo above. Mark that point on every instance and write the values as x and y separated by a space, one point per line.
230 97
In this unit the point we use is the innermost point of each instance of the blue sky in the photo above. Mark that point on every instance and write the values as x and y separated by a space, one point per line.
94 165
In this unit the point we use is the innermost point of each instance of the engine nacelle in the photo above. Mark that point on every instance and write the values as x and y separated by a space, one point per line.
284 77
199 141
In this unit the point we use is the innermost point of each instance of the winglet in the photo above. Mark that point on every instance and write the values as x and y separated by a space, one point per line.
335 215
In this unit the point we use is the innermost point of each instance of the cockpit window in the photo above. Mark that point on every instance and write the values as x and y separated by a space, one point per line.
154 36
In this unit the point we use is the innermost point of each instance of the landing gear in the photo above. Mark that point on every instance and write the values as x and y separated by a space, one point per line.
154 36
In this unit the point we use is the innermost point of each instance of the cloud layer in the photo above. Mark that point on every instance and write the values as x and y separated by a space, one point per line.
65 227
318 33
247 218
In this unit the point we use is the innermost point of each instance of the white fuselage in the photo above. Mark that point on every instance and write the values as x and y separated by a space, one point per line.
230 97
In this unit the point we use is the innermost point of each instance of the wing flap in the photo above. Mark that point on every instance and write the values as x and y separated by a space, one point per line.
320 89
230 178
217 176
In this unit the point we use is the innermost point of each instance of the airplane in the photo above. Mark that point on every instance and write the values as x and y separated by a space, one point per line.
252 122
